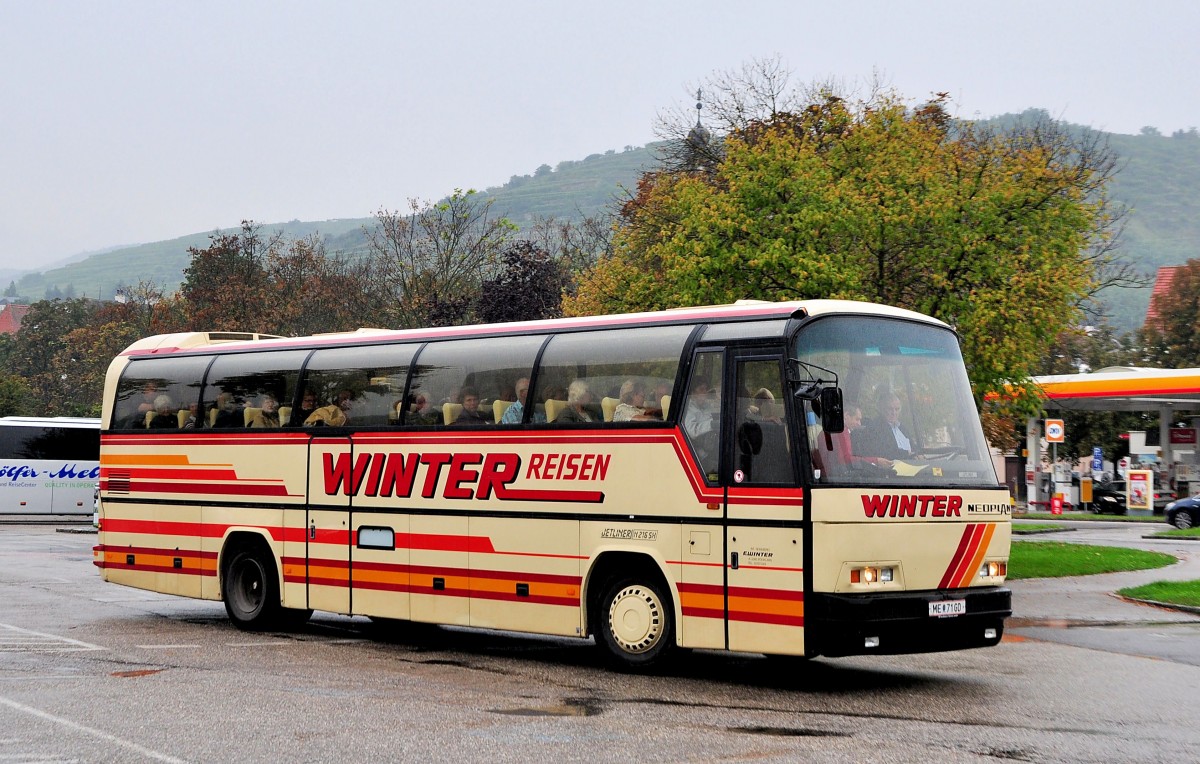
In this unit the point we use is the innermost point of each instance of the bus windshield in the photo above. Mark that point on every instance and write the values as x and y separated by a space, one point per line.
910 417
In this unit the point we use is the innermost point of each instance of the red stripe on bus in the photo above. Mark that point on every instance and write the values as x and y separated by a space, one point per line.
537 599
972 561
471 574
776 619
164 528
705 494
958 552
156 550
240 487
790 595
966 547
533 494
787 595
439 542
191 472
154 568
703 612
964 565
744 617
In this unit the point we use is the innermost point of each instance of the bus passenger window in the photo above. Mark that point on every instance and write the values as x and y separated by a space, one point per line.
762 453
702 412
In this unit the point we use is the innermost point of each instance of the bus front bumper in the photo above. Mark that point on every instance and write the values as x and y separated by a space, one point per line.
901 622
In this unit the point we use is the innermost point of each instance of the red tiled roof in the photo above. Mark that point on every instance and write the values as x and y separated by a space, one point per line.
1162 285
11 316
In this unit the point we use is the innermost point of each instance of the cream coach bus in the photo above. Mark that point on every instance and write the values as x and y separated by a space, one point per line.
798 478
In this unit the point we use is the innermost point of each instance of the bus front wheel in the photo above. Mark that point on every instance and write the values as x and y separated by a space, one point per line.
250 590
637 626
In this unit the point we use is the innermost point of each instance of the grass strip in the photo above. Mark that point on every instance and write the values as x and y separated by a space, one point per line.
1054 559
1175 533
1090 516
1172 592
1029 528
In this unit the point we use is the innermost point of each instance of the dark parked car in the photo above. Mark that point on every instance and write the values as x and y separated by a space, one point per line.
1184 513
1109 498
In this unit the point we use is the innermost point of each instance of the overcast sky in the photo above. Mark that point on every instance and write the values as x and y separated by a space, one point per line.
124 122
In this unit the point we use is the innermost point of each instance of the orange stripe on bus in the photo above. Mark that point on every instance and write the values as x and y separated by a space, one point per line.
764 606
137 459
702 601
976 559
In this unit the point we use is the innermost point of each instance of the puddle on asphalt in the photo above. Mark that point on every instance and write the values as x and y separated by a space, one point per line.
788 732
569 707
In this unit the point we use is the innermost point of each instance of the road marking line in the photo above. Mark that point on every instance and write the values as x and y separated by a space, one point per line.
168 647
258 644
17 638
89 731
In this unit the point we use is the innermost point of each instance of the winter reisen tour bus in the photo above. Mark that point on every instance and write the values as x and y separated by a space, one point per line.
49 465
796 478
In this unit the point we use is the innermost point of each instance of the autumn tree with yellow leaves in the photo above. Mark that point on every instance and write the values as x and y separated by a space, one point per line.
1004 234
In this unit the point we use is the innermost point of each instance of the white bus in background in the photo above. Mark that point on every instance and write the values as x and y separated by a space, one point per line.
48 465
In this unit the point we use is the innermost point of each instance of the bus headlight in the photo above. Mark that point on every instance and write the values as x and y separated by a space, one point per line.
872 575
993 569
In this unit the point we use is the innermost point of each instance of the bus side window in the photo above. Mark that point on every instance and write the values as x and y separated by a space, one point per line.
701 412
762 453
145 381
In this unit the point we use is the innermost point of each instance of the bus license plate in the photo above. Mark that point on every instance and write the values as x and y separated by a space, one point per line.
944 608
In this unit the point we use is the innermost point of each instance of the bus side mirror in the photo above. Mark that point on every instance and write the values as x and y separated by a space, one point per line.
832 415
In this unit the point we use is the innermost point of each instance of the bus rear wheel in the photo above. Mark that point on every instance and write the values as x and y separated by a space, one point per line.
250 590
637 625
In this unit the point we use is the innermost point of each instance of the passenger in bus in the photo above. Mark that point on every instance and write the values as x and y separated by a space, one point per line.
842 451
884 437
662 390
308 404
762 407
268 414
701 409
136 419
192 420
229 413
578 398
516 412
422 411
334 415
632 407
165 415
470 413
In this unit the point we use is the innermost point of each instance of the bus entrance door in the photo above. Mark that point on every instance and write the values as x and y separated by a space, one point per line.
327 537
764 507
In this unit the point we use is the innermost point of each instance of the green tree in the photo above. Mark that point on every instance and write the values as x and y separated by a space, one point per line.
1004 235
226 285
14 396
34 353
78 370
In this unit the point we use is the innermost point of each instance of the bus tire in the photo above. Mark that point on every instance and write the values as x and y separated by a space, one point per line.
637 623
250 589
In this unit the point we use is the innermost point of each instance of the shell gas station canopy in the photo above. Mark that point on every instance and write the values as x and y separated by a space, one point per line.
1123 388
1173 393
